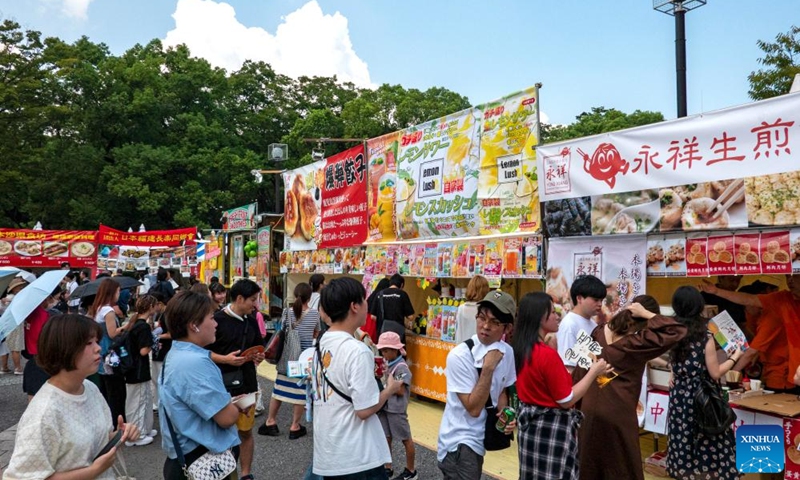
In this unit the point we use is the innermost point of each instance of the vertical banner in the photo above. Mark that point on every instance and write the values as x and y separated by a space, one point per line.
437 178
508 191
344 199
302 206
382 158
619 262
262 267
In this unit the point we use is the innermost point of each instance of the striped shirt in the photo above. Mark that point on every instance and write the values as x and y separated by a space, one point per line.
308 323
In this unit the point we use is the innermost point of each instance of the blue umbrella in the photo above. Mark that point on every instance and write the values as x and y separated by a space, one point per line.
28 299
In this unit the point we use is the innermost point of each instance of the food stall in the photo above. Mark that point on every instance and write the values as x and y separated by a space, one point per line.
120 251
438 203
703 196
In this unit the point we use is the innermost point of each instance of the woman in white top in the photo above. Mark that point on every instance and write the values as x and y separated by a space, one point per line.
317 281
477 288
67 423
103 312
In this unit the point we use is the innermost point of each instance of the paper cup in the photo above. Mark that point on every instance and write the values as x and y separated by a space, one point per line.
755 385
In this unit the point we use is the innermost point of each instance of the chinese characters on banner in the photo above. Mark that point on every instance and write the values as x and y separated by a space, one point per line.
302 206
47 248
344 199
677 175
382 158
437 178
618 262
507 186
147 251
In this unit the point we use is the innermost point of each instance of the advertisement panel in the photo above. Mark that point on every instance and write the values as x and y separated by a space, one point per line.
153 238
239 218
382 158
619 262
437 178
302 206
344 199
262 267
147 251
47 248
507 183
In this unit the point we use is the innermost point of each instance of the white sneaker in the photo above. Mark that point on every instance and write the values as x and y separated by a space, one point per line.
152 433
146 440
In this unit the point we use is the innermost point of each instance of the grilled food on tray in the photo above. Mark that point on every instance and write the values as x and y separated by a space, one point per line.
55 249
309 214
290 214
28 249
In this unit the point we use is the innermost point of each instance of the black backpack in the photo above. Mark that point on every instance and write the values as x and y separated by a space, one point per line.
712 414
121 345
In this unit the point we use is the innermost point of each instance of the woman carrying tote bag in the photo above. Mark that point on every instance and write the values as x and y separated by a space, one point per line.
300 323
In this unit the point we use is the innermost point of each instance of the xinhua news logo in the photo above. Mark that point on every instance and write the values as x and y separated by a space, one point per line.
759 448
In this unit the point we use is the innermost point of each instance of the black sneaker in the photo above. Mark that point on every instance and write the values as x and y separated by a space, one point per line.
389 472
269 430
406 475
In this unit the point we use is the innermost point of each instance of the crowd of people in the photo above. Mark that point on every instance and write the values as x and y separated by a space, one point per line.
193 354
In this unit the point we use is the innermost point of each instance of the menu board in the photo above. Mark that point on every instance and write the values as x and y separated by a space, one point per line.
775 255
697 257
47 248
720 255
747 254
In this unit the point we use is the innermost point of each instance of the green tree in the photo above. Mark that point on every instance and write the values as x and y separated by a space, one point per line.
598 120
781 62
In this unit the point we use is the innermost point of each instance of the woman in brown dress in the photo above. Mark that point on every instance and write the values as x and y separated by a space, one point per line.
609 437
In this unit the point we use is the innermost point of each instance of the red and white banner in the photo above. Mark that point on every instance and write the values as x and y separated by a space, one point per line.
344 199
153 238
47 248
756 139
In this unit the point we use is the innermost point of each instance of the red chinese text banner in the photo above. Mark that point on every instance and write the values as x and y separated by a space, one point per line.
47 248
344 199
153 238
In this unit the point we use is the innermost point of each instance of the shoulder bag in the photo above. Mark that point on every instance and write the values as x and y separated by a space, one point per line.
210 466
274 349
493 439
292 346
712 414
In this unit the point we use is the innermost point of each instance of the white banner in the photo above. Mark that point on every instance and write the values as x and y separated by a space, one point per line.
618 261
759 138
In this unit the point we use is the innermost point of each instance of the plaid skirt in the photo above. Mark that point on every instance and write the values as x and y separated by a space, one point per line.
548 442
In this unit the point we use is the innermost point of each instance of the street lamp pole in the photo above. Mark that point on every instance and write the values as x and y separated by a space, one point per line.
678 9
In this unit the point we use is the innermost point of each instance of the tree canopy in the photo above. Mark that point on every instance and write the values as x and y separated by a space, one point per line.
598 120
159 137
781 62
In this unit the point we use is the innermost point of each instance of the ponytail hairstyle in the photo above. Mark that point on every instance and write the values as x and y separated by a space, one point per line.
302 294
316 281
624 322
688 304
145 303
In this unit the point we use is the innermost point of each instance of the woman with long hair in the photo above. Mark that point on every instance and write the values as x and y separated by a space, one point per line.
693 454
548 425
102 310
193 397
305 320
67 423
634 336
139 393
317 281
477 288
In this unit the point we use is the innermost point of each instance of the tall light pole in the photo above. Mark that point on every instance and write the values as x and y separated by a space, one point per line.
678 9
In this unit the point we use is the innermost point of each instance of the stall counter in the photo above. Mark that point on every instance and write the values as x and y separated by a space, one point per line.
427 359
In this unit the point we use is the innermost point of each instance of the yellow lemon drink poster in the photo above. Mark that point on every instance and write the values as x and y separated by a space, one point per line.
382 161
508 189
437 178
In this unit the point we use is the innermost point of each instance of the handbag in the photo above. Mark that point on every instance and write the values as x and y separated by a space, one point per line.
713 415
292 346
210 466
493 439
274 348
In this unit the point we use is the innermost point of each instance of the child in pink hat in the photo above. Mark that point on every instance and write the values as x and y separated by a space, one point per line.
394 416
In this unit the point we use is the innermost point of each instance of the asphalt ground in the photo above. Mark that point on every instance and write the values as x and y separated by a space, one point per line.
275 457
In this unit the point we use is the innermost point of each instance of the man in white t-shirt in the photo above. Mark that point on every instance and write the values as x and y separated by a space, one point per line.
588 293
72 284
461 451
348 437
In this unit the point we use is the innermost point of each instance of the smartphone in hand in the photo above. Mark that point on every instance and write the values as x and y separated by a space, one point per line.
111 444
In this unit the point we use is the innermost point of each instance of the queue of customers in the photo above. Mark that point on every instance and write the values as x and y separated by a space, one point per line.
194 358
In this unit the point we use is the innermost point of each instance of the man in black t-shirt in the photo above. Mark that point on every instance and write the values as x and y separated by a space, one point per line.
237 330
392 307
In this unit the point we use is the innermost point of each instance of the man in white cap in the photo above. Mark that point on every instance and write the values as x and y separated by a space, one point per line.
478 372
